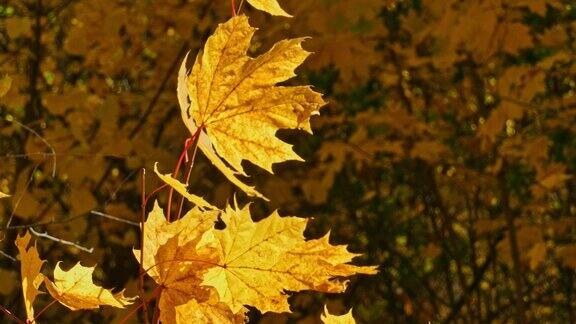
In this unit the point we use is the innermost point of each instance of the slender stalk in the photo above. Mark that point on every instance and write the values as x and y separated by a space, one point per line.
155 191
183 155
188 173
43 310
233 4
132 312
240 7
142 222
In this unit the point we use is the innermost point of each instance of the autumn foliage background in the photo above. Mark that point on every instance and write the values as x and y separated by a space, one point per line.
446 153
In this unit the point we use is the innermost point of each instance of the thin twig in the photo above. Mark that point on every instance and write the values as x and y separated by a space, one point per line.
61 241
21 196
183 155
159 91
45 223
52 151
148 111
233 5
118 219
240 7
8 256
43 310
155 191
142 223
188 173
113 194
477 280
63 5
517 276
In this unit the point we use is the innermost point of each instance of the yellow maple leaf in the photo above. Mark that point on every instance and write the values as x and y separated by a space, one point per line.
174 260
30 265
328 318
74 289
234 99
259 261
270 6
181 189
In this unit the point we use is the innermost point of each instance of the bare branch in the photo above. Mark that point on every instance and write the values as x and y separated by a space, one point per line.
52 151
7 256
20 197
118 219
61 241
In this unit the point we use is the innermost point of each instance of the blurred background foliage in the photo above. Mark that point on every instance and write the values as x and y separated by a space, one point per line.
446 154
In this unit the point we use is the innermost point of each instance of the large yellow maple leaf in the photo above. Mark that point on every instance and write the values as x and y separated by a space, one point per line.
259 261
30 265
209 275
173 258
234 99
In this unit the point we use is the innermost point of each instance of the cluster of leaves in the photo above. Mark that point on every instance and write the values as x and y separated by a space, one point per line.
233 108
447 151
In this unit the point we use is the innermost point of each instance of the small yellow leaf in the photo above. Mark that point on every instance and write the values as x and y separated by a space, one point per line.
259 261
270 6
74 289
327 318
3 195
181 189
30 265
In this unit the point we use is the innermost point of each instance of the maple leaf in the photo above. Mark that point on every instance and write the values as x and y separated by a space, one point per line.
30 265
328 318
270 6
74 289
259 261
174 260
233 99
181 189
